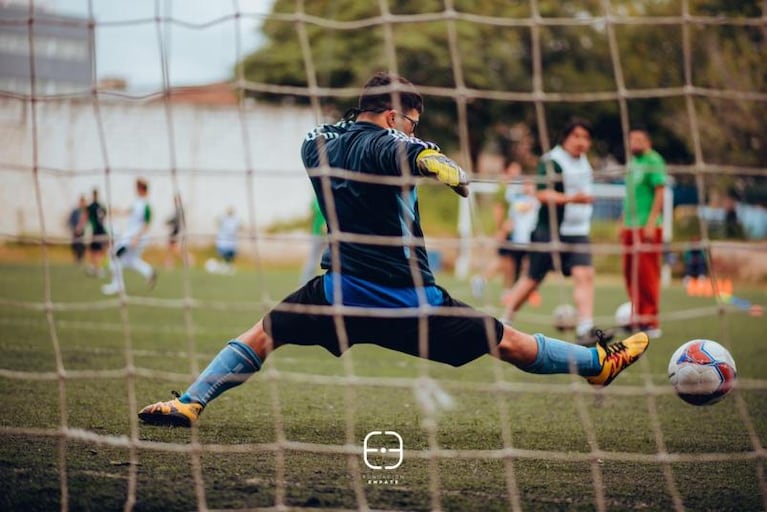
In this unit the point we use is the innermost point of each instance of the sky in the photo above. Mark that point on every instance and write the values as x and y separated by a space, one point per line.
196 55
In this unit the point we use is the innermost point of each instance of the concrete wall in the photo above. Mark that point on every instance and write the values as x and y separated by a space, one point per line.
204 144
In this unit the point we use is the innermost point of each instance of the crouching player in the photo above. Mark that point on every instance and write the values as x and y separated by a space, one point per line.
377 140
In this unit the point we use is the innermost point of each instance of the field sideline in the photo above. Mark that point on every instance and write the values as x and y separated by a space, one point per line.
554 422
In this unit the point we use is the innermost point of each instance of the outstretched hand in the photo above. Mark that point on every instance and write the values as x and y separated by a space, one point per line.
433 163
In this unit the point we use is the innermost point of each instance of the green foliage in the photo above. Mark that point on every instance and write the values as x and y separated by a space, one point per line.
574 59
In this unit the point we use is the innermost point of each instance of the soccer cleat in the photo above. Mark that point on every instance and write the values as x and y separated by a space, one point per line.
654 333
616 357
111 289
172 413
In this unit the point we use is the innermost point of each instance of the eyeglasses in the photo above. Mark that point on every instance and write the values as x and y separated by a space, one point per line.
412 121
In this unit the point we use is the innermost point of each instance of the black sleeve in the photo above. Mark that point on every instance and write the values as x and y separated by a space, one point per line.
392 146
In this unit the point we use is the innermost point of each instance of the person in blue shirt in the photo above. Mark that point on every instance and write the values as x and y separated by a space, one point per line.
363 171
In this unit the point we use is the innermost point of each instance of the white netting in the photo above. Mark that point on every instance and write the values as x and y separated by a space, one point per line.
249 174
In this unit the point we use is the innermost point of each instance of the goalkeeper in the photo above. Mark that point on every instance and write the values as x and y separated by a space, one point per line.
377 263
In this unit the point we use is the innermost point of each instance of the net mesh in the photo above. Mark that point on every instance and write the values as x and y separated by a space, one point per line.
432 394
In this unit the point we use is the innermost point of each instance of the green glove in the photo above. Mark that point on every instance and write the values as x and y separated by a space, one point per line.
433 163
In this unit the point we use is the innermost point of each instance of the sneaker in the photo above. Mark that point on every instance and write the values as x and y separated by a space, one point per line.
616 357
594 336
478 287
172 413
653 332
110 289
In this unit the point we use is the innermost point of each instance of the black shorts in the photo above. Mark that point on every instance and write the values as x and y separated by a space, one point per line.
542 262
454 340
99 239
504 249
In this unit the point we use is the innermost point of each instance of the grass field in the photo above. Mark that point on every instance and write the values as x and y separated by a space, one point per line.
554 421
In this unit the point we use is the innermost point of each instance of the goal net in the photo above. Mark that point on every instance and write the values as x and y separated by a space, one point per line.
372 429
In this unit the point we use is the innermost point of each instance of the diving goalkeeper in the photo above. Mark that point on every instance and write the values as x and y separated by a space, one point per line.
383 266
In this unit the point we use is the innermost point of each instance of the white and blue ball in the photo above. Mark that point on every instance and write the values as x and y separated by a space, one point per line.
702 372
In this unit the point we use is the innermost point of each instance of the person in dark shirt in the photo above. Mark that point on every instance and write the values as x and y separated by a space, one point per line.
363 171
78 219
96 215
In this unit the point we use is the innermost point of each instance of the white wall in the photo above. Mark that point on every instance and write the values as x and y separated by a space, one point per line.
205 145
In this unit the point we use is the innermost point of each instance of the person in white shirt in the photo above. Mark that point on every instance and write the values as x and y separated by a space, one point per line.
130 245
523 214
567 187
226 240
518 212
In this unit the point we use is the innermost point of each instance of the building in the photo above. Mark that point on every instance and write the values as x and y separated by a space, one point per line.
61 52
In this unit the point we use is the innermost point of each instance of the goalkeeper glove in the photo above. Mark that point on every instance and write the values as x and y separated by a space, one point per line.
434 163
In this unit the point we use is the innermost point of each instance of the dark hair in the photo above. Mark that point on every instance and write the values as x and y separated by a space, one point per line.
639 128
574 123
142 184
409 98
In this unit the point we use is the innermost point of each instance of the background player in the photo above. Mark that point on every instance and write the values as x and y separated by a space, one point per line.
96 216
642 221
128 249
570 194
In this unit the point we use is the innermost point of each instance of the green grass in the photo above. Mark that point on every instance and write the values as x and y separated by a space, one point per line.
541 419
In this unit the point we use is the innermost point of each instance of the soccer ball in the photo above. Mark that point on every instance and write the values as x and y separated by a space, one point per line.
623 316
565 317
212 266
702 372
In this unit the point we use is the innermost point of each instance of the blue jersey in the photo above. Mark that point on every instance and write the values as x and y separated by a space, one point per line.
367 208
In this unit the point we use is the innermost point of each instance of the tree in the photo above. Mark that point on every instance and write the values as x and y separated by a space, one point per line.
574 59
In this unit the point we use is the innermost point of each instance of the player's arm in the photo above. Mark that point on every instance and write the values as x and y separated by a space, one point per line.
658 181
655 210
559 198
399 154
546 192
557 195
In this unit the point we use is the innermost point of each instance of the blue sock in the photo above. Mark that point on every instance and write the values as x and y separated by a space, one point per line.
555 356
231 367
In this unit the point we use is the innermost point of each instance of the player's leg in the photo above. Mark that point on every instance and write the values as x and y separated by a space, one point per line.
516 259
457 340
243 356
630 272
133 260
544 355
649 286
506 266
234 364
583 296
116 263
518 295
539 266
540 263
523 267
